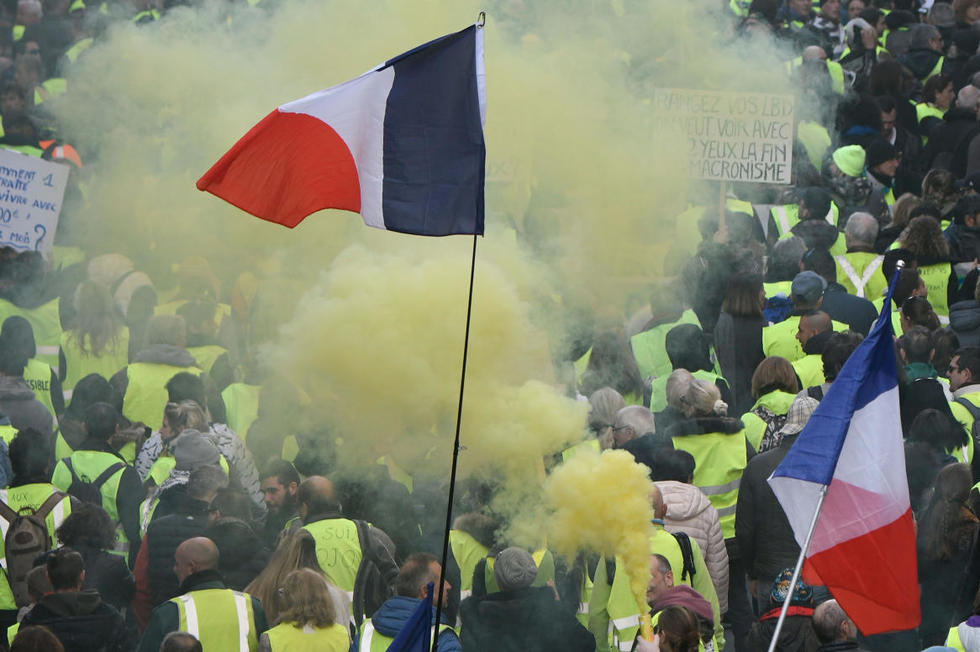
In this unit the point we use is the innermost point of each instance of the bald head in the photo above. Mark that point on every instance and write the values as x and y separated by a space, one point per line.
861 230
316 495
814 53
657 502
831 624
195 555
818 321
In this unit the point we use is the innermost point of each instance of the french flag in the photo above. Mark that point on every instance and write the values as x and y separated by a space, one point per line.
863 545
402 145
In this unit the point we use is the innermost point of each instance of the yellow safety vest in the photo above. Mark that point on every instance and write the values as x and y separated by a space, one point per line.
28 498
778 287
227 615
338 550
649 346
965 418
287 637
146 392
777 402
953 640
49 89
786 216
206 355
810 370
79 364
581 447
468 552
780 339
80 46
241 407
815 139
38 376
88 466
936 278
862 274
46 323
721 460
372 641
614 615
658 389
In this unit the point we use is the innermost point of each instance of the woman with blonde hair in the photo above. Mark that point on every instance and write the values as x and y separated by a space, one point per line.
307 619
924 238
901 212
296 550
719 445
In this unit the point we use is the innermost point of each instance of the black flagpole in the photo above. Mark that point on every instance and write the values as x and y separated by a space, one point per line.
452 474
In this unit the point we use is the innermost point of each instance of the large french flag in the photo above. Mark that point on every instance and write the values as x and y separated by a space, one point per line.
402 145
863 545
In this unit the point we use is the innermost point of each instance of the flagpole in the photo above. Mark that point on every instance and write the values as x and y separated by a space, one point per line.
452 474
796 571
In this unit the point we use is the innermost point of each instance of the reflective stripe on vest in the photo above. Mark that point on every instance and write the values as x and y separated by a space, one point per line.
214 603
721 460
373 641
338 550
861 281
782 219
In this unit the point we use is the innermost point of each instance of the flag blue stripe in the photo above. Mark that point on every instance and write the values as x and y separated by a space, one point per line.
869 372
434 152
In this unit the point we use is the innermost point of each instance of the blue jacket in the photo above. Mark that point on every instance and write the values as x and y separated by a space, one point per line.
395 612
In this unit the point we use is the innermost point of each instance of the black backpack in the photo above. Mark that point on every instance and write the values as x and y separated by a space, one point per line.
90 492
774 423
27 537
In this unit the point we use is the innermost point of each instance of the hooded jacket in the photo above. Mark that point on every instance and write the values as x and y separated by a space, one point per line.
816 233
396 611
690 511
964 242
921 61
525 620
964 319
18 403
82 622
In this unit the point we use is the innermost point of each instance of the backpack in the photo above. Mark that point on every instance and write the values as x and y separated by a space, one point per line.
90 492
975 430
774 423
27 537
687 552
371 589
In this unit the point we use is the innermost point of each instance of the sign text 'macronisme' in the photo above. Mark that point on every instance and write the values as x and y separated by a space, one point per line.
730 136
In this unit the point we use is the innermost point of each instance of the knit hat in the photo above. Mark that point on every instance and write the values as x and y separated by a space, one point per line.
799 413
802 593
850 160
808 286
880 150
682 595
514 569
193 450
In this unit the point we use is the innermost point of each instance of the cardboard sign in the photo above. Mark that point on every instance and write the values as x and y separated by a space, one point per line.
31 192
730 136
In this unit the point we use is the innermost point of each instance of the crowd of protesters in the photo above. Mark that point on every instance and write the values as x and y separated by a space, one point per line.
151 501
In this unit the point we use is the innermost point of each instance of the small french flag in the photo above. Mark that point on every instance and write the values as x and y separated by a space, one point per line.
863 545
402 145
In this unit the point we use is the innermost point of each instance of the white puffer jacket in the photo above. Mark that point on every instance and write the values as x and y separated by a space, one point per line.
690 511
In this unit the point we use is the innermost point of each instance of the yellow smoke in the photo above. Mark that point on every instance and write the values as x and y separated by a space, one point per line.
581 202
601 503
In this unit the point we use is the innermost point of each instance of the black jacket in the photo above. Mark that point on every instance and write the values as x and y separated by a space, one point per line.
162 538
527 620
738 343
817 233
762 532
82 622
921 61
242 554
948 142
105 573
859 314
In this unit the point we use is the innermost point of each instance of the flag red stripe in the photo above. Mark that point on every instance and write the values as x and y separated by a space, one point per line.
287 166
874 577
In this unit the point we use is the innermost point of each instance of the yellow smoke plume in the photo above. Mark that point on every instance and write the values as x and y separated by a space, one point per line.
602 503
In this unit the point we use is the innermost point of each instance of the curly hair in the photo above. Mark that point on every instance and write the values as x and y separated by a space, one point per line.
87 524
947 526
924 238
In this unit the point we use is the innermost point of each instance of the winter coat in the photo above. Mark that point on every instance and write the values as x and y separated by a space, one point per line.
964 319
763 534
921 61
859 314
949 142
242 556
162 539
816 233
18 403
964 242
107 574
738 343
396 611
526 620
690 511
797 634
82 622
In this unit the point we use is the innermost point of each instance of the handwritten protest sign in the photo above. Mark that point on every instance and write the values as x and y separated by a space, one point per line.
31 192
730 136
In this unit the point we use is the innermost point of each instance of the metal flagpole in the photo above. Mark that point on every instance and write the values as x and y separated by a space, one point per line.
452 474
796 571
